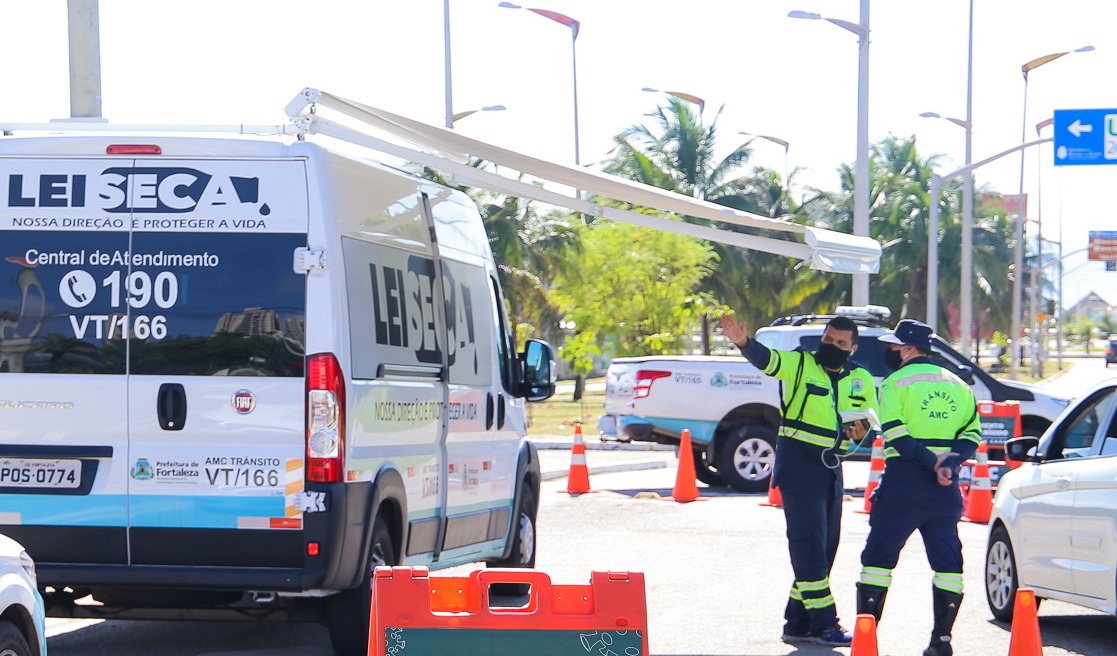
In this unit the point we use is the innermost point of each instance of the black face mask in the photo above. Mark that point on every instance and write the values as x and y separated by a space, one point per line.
892 359
830 356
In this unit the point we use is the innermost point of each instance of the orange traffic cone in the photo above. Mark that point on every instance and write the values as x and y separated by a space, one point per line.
775 499
1025 639
578 480
876 468
979 500
865 636
686 489
982 456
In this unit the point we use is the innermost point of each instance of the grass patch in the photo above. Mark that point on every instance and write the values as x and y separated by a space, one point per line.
558 414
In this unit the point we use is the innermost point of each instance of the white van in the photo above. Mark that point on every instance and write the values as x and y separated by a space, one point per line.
237 374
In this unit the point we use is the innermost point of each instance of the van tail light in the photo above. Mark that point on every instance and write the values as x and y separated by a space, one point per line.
644 380
325 419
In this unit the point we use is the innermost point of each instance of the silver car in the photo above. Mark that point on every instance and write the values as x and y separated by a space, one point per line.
1054 521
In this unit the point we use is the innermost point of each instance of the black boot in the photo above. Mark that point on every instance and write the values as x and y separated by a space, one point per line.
946 611
870 599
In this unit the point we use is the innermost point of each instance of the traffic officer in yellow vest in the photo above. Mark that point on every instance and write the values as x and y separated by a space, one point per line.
817 386
931 426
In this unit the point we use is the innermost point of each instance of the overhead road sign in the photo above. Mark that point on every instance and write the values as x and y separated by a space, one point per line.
1085 136
1103 245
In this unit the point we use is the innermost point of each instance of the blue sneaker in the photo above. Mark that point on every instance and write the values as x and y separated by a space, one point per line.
834 636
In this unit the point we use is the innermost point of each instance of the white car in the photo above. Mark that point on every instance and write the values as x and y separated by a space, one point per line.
22 621
1054 522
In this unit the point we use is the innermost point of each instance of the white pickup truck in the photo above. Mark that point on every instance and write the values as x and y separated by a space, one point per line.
733 410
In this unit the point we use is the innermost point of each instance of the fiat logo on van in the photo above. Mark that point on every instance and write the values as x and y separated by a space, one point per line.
244 401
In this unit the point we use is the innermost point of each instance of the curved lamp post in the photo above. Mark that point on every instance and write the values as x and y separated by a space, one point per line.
786 146
861 171
1021 217
967 248
574 25
681 96
490 108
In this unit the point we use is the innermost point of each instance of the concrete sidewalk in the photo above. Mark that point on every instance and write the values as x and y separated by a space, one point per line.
602 456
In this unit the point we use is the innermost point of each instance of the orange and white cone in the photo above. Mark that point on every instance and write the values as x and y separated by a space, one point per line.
578 479
864 636
775 499
686 489
979 500
1025 639
876 469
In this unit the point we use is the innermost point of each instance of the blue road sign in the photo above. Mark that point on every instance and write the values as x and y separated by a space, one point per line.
1085 136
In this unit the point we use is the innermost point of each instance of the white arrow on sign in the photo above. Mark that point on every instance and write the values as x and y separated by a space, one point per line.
1078 127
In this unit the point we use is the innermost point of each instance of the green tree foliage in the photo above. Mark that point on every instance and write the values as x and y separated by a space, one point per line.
635 291
677 152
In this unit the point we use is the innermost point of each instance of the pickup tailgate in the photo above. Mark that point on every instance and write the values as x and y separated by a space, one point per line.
661 396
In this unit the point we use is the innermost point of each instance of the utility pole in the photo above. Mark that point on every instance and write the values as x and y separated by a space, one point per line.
82 17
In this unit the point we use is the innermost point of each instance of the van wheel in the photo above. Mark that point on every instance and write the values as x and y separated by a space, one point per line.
746 458
12 642
704 470
523 544
348 612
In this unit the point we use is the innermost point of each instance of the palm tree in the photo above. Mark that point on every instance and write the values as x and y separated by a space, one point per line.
679 154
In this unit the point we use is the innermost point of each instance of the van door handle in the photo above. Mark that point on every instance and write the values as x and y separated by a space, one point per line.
488 411
500 416
170 406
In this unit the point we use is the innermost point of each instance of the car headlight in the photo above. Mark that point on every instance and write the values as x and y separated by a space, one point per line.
29 567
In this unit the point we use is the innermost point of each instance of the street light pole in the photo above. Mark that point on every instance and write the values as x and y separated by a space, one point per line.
1021 214
446 55
966 314
861 167
933 240
574 25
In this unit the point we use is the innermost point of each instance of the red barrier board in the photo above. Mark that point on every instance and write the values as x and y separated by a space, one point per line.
1000 420
414 614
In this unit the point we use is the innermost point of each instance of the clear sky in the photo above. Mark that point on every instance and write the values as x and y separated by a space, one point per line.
241 61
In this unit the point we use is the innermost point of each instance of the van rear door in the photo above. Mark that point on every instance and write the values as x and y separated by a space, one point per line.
63 401
216 320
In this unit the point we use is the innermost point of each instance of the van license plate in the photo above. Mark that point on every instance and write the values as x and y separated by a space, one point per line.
21 472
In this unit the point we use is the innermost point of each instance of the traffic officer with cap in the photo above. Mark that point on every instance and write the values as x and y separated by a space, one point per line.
930 423
817 386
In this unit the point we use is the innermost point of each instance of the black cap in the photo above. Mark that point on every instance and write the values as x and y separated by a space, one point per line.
910 332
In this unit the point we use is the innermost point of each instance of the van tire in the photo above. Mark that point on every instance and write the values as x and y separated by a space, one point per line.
348 612
12 642
522 554
746 457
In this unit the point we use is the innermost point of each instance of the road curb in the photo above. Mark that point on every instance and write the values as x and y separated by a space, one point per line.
562 443
639 465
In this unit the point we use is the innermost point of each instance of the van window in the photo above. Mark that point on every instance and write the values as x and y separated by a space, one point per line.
224 304
470 321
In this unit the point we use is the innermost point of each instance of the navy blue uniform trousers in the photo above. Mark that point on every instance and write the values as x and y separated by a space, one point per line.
812 507
910 499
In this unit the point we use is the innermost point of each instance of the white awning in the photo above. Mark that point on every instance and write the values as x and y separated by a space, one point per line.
446 150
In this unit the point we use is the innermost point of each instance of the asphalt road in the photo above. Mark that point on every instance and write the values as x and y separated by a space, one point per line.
717 573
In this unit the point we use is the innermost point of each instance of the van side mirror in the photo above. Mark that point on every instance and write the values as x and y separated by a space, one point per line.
965 372
1017 449
537 362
